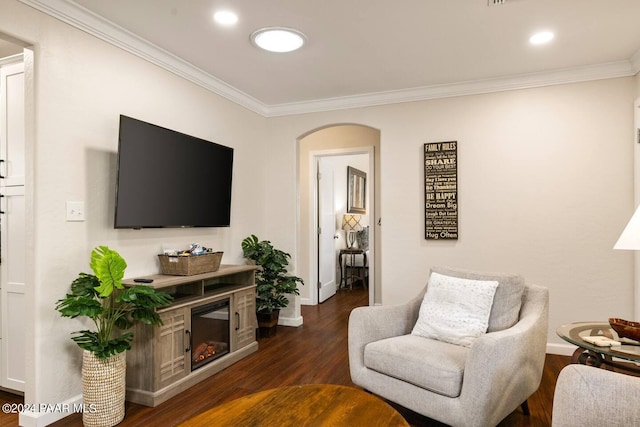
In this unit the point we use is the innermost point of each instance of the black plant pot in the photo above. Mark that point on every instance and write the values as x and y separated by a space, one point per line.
268 323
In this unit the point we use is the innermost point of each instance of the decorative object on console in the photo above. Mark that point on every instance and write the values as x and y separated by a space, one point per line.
351 223
187 265
626 328
362 237
273 283
356 191
103 298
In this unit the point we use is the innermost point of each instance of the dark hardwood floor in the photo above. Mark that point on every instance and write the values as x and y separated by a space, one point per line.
314 353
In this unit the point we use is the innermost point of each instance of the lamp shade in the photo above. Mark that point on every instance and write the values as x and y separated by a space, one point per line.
630 237
351 222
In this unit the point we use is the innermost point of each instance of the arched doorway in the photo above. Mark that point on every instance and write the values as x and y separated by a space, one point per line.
330 142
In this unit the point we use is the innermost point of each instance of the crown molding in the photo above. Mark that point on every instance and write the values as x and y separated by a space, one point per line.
19 57
515 82
635 62
87 21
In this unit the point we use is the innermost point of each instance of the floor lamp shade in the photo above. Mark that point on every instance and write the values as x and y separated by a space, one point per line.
630 237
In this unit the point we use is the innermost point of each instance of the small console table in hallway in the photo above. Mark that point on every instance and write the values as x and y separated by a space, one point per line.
348 265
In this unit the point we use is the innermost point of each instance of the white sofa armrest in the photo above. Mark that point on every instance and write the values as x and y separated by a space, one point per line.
589 396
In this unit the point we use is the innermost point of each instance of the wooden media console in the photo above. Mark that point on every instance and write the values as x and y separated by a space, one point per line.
159 364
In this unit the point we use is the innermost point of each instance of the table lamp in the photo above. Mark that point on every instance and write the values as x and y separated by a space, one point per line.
351 223
630 237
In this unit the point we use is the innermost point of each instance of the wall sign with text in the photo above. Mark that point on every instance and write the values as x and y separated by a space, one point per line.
441 190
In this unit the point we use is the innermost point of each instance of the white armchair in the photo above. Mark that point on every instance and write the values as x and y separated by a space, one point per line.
588 396
460 386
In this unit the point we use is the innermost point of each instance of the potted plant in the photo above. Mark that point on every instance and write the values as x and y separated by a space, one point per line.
273 283
113 309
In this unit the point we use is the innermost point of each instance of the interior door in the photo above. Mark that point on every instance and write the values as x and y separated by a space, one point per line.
12 129
326 232
12 278
12 228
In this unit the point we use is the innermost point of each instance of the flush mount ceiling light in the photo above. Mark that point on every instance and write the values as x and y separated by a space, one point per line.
278 39
541 37
225 17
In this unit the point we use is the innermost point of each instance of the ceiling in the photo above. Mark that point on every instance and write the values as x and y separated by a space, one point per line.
9 49
366 52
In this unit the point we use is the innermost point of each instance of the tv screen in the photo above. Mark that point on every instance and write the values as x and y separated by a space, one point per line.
168 179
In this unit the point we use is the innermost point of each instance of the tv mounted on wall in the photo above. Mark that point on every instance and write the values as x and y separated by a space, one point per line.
168 179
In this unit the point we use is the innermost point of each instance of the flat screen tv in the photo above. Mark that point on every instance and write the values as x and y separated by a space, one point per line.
168 179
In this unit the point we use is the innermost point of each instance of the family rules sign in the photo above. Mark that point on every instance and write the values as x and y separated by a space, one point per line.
441 190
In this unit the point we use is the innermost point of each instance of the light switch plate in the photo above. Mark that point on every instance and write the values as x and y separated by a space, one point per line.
75 211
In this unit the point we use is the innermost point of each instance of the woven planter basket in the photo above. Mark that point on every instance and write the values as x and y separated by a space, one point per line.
103 389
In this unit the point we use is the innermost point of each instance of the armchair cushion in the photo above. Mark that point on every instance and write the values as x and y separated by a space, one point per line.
507 301
429 364
455 310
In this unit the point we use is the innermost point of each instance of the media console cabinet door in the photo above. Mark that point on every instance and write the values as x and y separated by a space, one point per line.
173 359
245 318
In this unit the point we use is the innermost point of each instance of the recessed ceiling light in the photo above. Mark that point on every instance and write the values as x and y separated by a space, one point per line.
541 37
278 39
225 17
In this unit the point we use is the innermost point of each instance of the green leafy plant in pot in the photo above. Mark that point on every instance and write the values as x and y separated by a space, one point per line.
113 309
273 283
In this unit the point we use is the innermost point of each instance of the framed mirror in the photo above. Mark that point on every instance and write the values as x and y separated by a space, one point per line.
356 186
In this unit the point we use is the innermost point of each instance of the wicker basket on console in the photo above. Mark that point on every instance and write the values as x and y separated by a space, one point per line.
189 265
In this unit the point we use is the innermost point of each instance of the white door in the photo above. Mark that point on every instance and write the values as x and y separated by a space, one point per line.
326 232
12 228
636 257
12 129
12 277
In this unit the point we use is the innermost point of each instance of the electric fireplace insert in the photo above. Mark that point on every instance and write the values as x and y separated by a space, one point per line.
210 331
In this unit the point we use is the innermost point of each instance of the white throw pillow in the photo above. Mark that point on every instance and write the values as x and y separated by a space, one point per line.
455 310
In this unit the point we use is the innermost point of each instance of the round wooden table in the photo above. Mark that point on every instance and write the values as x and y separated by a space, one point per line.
306 405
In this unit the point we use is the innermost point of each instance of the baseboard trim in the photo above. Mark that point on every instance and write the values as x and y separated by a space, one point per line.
561 349
49 414
290 321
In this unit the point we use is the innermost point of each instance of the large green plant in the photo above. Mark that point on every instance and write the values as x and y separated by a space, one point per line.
103 298
273 282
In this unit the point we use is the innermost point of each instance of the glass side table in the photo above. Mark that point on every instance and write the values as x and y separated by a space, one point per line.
593 355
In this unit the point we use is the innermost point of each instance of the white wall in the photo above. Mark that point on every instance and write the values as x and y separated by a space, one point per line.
545 188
